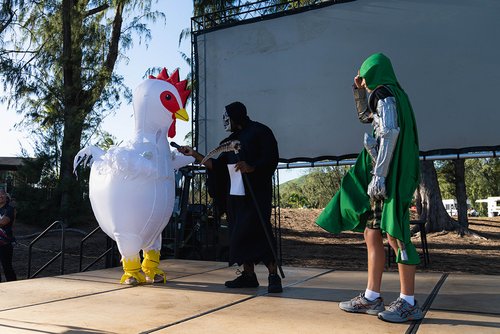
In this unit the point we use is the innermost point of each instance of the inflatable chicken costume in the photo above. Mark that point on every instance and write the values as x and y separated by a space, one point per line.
131 187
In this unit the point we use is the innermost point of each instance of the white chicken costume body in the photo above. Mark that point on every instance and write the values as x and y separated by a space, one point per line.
131 188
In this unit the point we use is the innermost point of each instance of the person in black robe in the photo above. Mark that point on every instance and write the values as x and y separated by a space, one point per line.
256 160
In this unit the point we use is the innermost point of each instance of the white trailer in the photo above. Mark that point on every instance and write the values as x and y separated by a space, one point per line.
493 205
452 208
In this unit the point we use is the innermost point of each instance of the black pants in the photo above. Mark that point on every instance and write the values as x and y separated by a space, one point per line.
6 253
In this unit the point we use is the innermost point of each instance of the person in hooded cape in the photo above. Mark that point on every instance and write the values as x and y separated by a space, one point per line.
376 193
256 162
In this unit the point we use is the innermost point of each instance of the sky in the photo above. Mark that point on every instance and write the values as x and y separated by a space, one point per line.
162 51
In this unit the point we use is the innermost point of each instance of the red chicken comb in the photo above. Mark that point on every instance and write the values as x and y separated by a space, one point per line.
174 80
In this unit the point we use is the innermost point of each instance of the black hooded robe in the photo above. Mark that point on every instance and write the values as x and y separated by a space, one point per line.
247 239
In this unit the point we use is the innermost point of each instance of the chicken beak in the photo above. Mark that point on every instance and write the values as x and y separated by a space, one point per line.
182 115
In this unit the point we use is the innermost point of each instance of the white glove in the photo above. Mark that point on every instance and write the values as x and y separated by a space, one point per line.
376 188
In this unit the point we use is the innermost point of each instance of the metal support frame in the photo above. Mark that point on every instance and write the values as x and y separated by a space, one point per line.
252 10
349 162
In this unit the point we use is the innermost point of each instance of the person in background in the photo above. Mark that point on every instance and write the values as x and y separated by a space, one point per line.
257 161
375 195
7 218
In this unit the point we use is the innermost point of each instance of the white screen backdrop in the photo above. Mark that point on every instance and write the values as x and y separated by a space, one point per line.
294 73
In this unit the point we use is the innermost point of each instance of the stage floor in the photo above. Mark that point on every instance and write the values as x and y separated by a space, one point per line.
194 300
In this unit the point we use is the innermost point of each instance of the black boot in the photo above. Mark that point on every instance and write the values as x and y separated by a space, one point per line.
274 284
245 280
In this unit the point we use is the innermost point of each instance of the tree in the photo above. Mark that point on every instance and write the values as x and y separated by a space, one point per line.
65 54
446 177
321 184
7 22
460 192
296 200
451 177
482 179
6 15
313 190
429 201
430 205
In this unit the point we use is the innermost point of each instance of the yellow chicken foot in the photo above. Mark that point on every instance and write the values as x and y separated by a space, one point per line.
132 274
150 267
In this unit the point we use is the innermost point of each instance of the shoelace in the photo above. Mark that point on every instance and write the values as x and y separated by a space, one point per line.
359 301
362 298
397 305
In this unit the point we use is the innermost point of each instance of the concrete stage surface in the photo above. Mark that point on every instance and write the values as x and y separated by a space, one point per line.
194 300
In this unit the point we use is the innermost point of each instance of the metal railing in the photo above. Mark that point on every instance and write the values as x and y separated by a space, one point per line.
109 252
60 254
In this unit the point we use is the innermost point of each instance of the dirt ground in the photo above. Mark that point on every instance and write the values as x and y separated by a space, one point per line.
303 244
306 244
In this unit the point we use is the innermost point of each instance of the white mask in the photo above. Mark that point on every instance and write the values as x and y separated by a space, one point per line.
227 122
